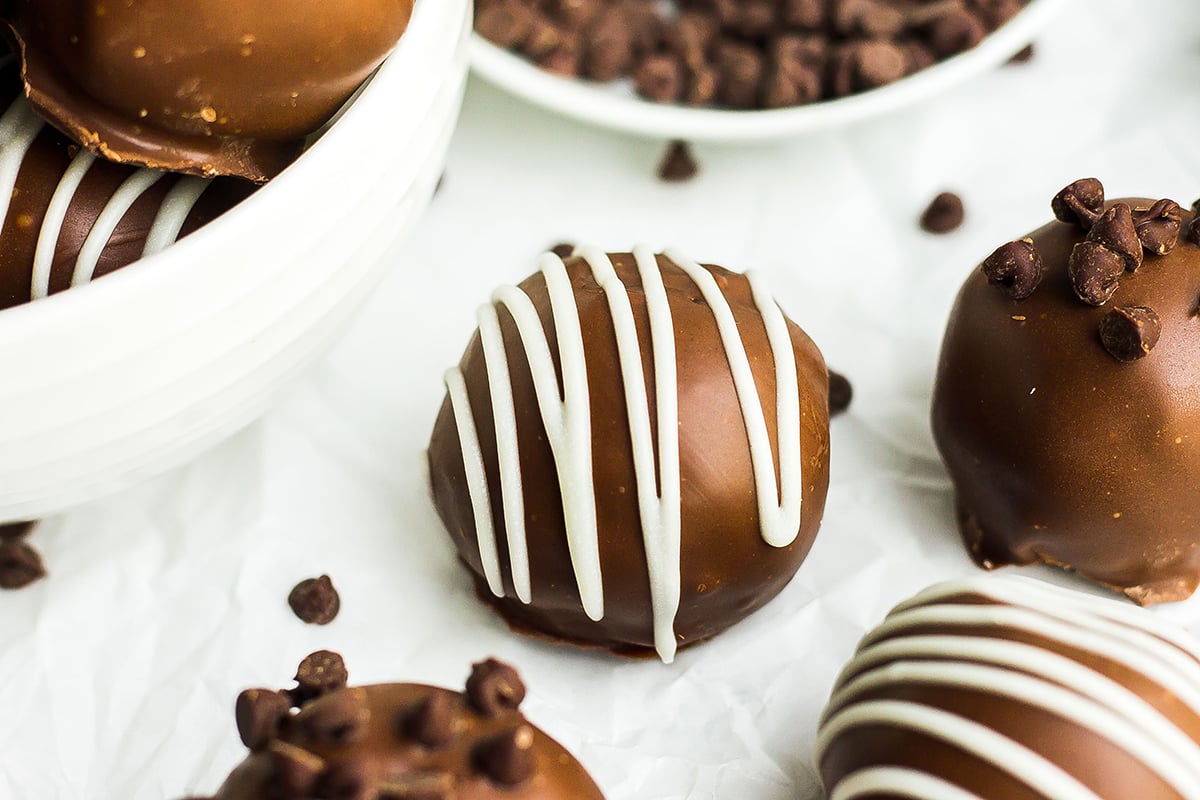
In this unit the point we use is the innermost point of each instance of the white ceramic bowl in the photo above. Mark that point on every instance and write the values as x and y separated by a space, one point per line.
616 106
111 382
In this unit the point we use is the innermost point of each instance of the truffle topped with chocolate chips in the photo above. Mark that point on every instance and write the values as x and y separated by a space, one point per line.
398 741
1066 396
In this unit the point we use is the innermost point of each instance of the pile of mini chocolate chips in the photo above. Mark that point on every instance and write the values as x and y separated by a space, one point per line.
1117 239
741 54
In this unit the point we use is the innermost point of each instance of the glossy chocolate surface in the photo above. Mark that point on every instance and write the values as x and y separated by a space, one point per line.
727 568
48 167
1059 452
199 86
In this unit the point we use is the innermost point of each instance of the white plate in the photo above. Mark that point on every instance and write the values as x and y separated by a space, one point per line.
616 106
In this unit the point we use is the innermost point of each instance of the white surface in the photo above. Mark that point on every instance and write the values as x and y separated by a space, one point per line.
137 372
616 106
118 673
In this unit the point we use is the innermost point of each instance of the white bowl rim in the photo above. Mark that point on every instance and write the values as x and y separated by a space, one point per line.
53 309
610 107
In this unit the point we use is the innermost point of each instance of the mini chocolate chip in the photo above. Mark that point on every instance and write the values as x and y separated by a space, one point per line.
346 780
494 687
804 14
740 69
840 393
1129 333
1158 227
955 31
315 601
543 37
319 673
944 214
16 530
677 164
1022 56
419 786
701 85
609 46
336 719
430 721
1114 229
294 771
1080 202
505 24
660 78
20 564
1094 271
259 714
507 758
563 249
1016 268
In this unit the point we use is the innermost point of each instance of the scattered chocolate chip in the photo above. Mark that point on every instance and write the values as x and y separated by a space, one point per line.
1022 56
294 771
660 78
16 530
260 714
1094 271
430 721
1081 202
20 564
563 249
320 673
1115 230
494 687
419 786
677 164
1130 333
944 214
1158 227
338 718
315 601
507 758
1015 268
840 393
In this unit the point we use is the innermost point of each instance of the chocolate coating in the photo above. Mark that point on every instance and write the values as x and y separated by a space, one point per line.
1062 454
42 182
362 742
726 568
199 86
1007 689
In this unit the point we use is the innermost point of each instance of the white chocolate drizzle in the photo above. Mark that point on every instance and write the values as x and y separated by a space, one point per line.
940 639
566 417
19 127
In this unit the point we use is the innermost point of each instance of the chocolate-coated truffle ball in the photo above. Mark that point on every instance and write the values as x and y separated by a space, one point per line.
208 87
1007 688
69 217
633 451
401 741
1069 419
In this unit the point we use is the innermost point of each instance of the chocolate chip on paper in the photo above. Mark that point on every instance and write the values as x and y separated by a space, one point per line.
945 213
678 164
840 393
315 600
20 564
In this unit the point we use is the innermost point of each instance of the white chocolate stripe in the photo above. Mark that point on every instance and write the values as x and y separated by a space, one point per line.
566 417
485 534
106 222
901 781
19 126
1136 714
52 223
176 206
1137 650
1065 604
778 509
659 515
1016 760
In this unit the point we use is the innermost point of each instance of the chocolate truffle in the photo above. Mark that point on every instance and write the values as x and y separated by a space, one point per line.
1008 688
1068 417
402 741
206 87
69 217
634 450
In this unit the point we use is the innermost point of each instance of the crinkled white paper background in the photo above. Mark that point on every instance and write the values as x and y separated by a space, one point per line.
118 674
